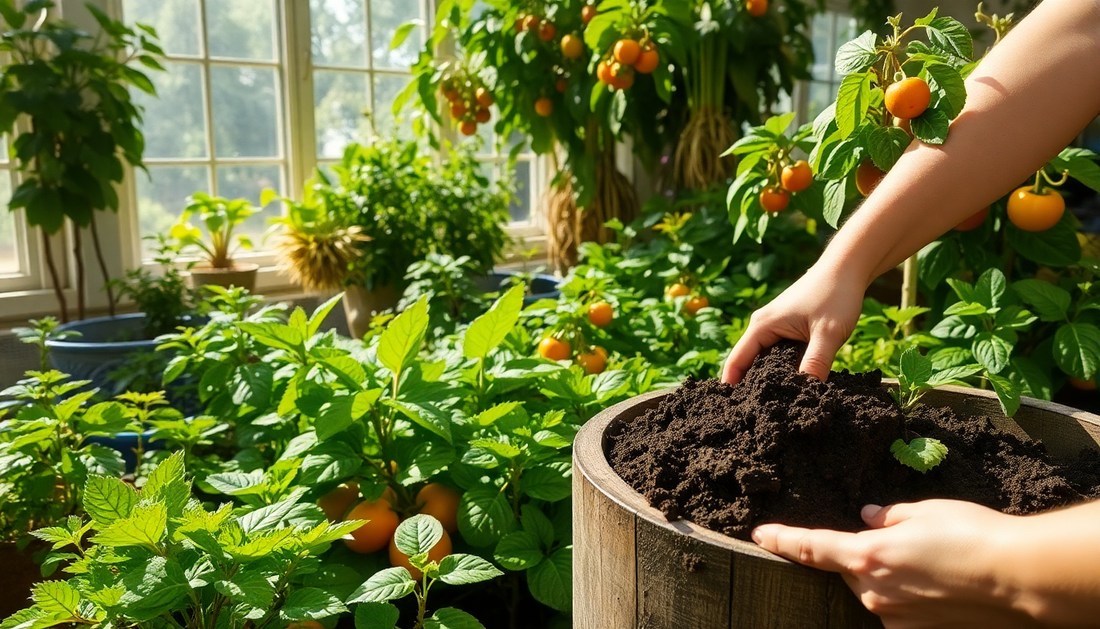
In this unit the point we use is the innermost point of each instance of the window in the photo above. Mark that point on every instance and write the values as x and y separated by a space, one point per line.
218 124
10 262
525 176
356 73
829 30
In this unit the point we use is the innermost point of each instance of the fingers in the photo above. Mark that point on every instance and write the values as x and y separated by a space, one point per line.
755 340
818 359
878 517
817 548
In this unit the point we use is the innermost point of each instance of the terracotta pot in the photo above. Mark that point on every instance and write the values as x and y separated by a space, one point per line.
361 304
19 573
239 275
631 565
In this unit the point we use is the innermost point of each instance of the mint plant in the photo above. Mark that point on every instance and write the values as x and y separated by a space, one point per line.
415 537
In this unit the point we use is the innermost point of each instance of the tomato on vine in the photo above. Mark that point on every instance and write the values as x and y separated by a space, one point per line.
695 304
468 127
1036 208
530 22
974 221
868 177
648 60
484 97
544 107
547 31
774 199
600 314
908 98
594 362
756 8
587 13
561 85
626 51
678 290
440 502
554 349
381 522
572 47
797 177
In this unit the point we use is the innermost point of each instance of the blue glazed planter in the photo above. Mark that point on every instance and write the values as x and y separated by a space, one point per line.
542 286
104 344
125 443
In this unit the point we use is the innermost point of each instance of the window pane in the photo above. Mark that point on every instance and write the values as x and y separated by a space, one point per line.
386 89
340 98
242 29
822 29
247 182
338 32
385 17
174 125
520 207
176 22
9 255
245 114
161 197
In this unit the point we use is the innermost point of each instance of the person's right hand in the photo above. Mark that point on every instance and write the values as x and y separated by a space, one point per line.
820 309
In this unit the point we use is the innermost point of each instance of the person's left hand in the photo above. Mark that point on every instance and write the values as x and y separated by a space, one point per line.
926 564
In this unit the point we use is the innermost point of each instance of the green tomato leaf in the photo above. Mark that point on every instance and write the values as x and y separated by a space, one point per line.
857 55
886 146
852 102
948 88
834 202
145 526
460 569
484 516
920 454
153 587
488 331
550 482
403 337
1056 247
931 126
950 37
384 585
1077 349
1008 394
551 582
418 534
519 551
991 351
1049 301
311 604
108 500
376 615
535 521
915 368
451 618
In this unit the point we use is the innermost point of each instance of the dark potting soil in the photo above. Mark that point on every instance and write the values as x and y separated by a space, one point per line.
782 446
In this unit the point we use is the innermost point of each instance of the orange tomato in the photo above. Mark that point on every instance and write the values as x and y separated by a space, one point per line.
677 290
695 304
600 313
908 98
622 76
593 362
974 221
603 72
648 60
451 94
458 110
399 559
1035 212
483 115
484 97
530 22
626 51
587 13
378 531
1083 385
774 199
544 107
468 127
572 47
440 502
867 177
756 8
797 177
337 502
554 349
547 31
561 85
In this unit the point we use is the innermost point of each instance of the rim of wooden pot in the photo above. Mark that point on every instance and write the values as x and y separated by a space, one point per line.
590 459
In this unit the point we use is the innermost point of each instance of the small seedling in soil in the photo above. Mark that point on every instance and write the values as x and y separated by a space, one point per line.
915 378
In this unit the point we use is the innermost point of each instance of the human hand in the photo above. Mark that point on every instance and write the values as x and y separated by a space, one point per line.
926 564
821 309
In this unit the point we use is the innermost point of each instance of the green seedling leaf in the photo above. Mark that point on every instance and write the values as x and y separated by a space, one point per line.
418 534
376 616
990 288
920 454
488 331
460 569
916 369
953 375
1008 394
384 585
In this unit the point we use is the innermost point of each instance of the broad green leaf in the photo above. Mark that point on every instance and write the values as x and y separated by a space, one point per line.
931 126
331 461
886 146
779 124
1049 301
145 526
491 415
488 331
451 618
267 518
990 288
991 351
461 569
153 587
1008 394
852 102
953 375
275 335
551 582
247 586
108 500
311 604
1056 247
535 521
1077 349
418 534
484 516
1031 379
238 483
426 416
384 585
318 316
57 597
519 550
964 309
920 454
376 616
402 338
402 33
550 482
949 36
857 55
834 202
948 88
915 368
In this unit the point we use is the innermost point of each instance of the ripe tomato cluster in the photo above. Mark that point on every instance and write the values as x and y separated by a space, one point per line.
469 101
592 358
793 178
625 59
695 302
434 499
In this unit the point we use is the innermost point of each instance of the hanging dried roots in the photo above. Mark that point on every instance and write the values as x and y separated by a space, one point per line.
698 163
317 258
561 218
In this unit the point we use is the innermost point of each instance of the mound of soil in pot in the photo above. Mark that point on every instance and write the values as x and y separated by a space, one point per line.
782 446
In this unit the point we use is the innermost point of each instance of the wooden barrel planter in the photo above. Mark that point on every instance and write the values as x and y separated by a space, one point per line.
634 569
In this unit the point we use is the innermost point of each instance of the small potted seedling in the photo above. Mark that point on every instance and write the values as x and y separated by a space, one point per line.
220 216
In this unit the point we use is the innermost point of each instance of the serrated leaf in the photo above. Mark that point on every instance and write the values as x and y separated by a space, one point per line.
451 618
488 331
145 526
948 88
886 145
484 516
856 55
834 202
108 500
403 336
551 582
535 521
153 587
916 368
238 483
1049 301
964 309
57 597
952 375
949 36
550 482
991 351
418 534
247 586
384 585
931 127
852 102
921 454
311 604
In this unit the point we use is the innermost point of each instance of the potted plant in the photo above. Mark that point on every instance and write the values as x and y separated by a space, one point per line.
66 103
220 217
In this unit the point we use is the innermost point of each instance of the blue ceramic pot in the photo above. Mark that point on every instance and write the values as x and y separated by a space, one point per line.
542 286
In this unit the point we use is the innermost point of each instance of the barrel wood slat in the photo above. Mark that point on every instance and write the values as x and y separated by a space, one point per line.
634 569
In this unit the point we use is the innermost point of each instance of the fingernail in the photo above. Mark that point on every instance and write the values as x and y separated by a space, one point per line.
870 511
756 536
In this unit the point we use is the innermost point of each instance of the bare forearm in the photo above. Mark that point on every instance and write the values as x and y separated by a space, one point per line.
1051 563
1026 101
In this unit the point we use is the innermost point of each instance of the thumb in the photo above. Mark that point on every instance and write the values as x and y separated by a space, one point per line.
820 353
878 517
